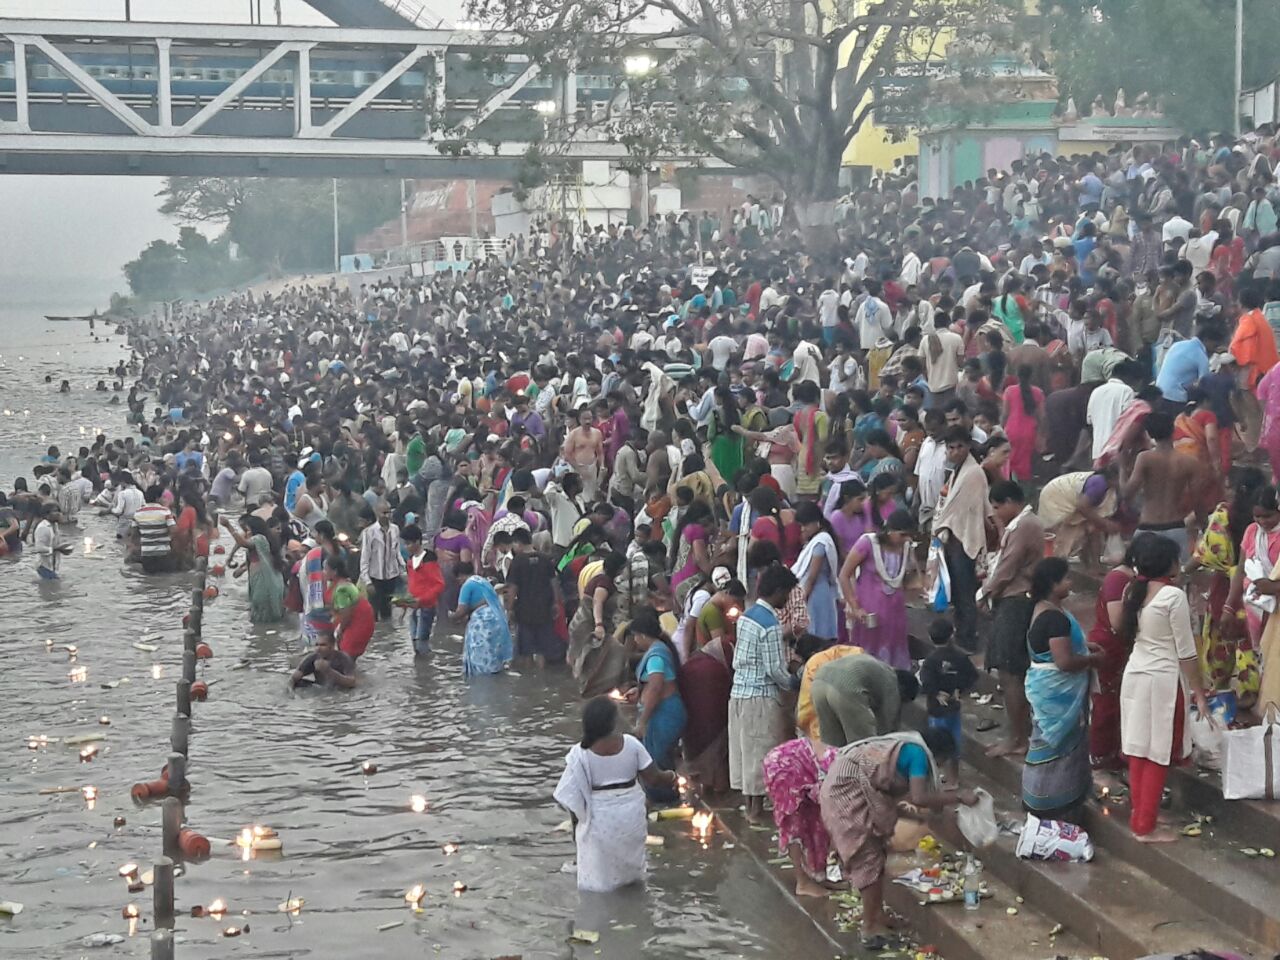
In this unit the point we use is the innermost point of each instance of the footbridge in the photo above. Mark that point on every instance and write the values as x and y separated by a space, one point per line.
112 97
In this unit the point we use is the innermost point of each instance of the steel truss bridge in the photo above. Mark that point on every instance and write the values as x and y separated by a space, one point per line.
90 97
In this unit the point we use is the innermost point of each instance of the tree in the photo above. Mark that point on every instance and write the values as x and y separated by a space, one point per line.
282 224
779 87
1180 51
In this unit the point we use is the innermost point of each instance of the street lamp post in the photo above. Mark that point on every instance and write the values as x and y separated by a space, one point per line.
1235 107
639 65
336 261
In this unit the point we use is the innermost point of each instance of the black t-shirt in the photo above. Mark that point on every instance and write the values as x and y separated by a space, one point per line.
1050 624
532 574
944 677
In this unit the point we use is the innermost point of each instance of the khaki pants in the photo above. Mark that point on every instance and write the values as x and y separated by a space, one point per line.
756 726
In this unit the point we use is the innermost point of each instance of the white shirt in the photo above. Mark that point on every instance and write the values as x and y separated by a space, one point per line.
828 308
874 321
1175 227
1105 406
806 359
931 472
944 372
722 348
380 557
910 274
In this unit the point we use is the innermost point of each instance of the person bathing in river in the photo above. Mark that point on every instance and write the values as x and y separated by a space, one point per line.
326 665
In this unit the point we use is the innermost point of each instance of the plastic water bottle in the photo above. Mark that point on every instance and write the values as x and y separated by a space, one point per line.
972 883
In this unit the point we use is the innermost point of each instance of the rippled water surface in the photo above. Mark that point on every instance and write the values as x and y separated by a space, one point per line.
486 754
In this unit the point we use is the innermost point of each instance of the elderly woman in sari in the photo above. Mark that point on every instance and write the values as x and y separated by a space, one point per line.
1057 775
1079 510
860 799
600 787
705 679
486 645
266 580
594 655
662 714
793 773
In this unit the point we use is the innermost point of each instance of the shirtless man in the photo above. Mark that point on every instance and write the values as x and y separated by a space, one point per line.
1162 479
584 450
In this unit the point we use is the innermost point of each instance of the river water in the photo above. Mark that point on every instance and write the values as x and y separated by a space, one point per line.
485 753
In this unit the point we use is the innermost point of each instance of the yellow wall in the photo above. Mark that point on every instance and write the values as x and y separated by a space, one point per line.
871 145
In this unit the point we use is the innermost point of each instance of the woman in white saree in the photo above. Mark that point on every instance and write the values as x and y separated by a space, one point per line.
601 787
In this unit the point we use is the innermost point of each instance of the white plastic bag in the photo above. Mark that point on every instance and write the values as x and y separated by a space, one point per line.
1251 761
1206 738
978 823
1054 840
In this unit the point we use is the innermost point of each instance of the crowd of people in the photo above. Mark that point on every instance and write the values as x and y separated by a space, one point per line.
719 499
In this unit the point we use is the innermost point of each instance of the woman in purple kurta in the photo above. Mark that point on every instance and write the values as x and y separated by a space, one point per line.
871 582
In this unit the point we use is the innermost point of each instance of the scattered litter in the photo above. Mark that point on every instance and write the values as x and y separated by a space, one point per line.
1249 851
152 637
146 648
386 926
102 940
652 841
584 936
1191 830
984 699
1012 911
10 908
569 867
672 813
564 826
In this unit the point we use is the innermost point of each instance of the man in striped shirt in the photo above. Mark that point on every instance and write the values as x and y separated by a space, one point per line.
758 719
153 527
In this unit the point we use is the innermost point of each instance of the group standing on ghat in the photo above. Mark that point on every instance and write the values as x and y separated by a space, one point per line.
710 463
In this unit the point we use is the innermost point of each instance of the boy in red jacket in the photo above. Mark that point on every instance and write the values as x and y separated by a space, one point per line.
426 584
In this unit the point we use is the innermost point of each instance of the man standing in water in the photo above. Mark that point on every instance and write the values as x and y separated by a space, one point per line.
47 546
1162 479
584 451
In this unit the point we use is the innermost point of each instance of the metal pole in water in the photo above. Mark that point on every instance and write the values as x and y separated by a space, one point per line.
171 825
177 774
162 945
163 889
180 734
184 697
189 666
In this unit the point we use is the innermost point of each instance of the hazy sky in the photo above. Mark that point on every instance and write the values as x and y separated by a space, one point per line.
74 233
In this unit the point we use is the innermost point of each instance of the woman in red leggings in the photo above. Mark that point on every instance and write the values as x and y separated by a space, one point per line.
1162 671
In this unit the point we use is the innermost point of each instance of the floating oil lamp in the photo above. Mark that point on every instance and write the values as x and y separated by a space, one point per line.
701 824
368 768
418 803
90 795
78 674
459 888
217 909
128 870
157 671
449 849
104 721
88 753
292 906
88 546
415 895
130 911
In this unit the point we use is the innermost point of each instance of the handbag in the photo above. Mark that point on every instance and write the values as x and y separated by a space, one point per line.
1251 761
937 590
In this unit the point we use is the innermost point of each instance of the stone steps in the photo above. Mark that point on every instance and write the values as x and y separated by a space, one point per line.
955 933
1136 897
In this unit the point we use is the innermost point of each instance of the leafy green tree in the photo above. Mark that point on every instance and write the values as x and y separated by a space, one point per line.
778 87
283 224
1180 51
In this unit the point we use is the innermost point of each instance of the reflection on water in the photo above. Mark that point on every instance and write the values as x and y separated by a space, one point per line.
484 754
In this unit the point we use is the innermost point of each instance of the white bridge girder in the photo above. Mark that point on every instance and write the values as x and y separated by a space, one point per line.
151 130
